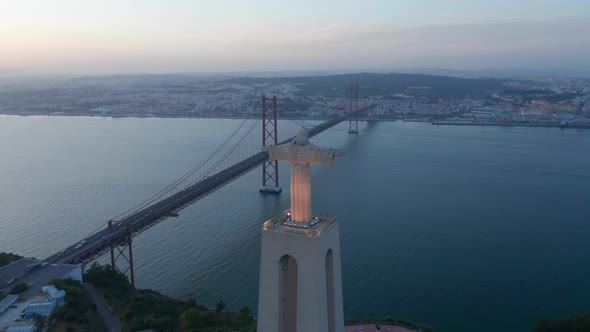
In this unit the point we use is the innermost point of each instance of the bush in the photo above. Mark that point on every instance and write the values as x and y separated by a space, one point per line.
78 308
245 315
574 323
7 258
192 318
19 288
141 309
105 276
70 316
220 306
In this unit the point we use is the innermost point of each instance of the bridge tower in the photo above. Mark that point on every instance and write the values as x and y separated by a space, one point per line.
353 107
270 168
118 247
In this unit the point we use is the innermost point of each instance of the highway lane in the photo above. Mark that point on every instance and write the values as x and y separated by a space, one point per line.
150 215
100 242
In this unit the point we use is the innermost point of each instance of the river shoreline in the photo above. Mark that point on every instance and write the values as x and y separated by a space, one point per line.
432 122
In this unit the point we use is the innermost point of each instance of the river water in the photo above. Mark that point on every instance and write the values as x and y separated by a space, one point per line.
463 228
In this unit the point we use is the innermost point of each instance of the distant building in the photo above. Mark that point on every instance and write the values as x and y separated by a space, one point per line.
56 295
45 308
6 302
42 308
102 110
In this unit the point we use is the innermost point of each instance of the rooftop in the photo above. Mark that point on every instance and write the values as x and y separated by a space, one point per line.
7 302
21 329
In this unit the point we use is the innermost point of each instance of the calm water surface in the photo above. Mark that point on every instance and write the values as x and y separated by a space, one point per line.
464 228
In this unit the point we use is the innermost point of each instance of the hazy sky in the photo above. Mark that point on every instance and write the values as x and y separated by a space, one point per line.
153 36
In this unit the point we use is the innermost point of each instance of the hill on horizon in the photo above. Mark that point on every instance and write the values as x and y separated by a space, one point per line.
372 84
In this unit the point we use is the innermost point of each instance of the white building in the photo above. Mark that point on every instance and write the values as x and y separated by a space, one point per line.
28 328
44 308
57 295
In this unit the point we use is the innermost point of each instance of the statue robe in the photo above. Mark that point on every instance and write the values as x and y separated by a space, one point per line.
300 154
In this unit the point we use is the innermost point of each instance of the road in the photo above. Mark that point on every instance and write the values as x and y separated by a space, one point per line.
100 242
112 322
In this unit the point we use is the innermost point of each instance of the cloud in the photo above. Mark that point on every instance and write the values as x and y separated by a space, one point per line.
544 43
539 44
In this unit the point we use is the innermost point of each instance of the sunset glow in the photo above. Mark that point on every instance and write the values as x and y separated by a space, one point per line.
104 37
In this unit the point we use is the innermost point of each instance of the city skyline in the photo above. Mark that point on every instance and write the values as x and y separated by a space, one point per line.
110 37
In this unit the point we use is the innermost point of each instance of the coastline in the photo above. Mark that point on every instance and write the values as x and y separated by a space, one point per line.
508 124
242 117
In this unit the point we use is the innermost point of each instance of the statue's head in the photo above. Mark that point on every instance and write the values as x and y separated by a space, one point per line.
302 137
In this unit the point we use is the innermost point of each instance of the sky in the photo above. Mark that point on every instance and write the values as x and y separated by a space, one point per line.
166 36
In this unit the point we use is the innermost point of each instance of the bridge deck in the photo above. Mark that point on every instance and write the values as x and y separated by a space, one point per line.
101 241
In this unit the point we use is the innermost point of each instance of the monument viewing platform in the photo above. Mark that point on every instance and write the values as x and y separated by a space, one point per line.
314 228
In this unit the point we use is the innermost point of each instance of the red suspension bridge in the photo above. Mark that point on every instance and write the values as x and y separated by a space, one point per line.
206 177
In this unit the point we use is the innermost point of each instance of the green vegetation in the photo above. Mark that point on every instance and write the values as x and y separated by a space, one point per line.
79 313
575 323
389 321
140 309
546 95
19 288
7 258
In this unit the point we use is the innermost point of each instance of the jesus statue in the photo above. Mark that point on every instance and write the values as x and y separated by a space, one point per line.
300 154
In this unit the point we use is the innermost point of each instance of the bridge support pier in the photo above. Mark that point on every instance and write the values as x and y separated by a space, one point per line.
270 169
117 250
353 122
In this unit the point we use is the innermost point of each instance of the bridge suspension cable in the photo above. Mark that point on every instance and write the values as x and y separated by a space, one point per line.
104 240
212 168
181 179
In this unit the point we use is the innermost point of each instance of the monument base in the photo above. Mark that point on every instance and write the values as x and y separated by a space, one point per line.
300 277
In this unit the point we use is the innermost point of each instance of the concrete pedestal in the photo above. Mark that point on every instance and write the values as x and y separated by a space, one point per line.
300 278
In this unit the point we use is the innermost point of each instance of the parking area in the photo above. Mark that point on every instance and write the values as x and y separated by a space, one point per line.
8 317
35 274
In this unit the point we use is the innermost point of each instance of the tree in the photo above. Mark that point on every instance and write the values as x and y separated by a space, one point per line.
161 324
108 277
7 258
19 288
220 306
191 319
245 315
574 323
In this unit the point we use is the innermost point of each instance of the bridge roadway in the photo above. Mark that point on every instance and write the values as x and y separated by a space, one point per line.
100 242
